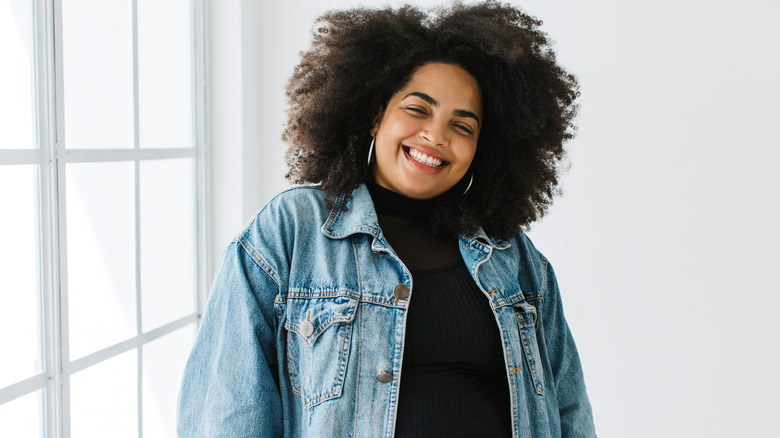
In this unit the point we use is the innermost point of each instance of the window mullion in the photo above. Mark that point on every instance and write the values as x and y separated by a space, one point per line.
44 71
43 15
59 290
137 188
200 91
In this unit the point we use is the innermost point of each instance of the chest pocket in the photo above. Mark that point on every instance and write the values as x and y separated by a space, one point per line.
527 323
318 342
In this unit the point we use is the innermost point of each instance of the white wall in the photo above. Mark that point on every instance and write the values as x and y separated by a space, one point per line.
666 238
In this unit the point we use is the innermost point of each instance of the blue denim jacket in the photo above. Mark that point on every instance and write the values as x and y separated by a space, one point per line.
304 336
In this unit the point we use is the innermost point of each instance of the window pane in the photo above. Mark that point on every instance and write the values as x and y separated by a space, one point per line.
98 73
22 417
101 255
164 361
19 269
167 240
164 73
104 399
16 75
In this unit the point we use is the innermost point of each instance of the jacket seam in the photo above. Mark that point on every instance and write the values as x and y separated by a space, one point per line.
258 259
543 281
299 294
359 321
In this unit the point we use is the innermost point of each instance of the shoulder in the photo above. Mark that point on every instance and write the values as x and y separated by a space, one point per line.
295 207
293 202
293 216
527 248
533 267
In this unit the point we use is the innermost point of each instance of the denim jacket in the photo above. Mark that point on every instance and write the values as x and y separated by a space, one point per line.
303 334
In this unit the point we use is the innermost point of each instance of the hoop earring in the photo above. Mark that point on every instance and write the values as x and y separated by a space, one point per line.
371 150
471 180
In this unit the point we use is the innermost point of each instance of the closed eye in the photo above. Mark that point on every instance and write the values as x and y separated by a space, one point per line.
416 110
465 128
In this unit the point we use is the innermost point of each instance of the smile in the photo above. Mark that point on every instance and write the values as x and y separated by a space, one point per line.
423 158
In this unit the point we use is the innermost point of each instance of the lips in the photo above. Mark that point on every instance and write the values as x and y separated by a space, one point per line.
424 158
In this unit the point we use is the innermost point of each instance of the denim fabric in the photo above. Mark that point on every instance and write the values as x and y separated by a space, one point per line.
302 319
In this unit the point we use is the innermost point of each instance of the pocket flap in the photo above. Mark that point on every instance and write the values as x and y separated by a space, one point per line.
526 314
309 317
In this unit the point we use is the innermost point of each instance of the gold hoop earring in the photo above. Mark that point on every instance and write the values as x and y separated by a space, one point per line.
370 151
471 180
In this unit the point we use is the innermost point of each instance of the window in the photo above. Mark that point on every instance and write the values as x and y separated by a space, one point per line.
102 241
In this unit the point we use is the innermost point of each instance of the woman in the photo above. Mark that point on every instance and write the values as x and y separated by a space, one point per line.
433 139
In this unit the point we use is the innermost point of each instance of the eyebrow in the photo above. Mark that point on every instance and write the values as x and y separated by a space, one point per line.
434 102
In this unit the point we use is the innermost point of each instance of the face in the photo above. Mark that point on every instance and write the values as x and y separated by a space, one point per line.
427 136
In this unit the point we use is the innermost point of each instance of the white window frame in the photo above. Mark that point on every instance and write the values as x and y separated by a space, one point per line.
51 157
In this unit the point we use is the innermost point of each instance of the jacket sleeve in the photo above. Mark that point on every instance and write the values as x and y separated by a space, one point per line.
229 388
573 405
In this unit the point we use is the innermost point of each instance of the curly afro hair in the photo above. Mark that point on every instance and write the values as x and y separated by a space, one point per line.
360 58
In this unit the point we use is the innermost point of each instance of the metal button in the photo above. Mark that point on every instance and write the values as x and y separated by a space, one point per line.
401 292
307 328
384 377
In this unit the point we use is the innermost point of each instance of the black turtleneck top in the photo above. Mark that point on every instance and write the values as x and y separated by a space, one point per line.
453 379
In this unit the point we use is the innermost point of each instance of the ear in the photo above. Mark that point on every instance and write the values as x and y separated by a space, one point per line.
376 122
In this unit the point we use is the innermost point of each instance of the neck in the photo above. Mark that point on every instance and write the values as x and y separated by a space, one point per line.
388 202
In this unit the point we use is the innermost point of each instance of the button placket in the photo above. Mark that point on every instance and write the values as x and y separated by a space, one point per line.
384 377
401 292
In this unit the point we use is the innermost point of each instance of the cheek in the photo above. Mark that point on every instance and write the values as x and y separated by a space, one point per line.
385 148
399 126
467 155
390 136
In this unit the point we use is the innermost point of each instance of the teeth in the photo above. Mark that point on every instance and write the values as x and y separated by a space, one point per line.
425 159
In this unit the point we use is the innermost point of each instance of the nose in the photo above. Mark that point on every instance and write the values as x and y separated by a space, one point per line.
434 134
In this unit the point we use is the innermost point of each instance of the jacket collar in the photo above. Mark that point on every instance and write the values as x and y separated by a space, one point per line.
356 214
352 214
480 236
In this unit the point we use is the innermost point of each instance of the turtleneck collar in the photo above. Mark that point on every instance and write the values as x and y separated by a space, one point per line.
390 203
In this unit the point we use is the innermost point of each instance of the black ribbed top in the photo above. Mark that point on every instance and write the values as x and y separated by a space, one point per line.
453 381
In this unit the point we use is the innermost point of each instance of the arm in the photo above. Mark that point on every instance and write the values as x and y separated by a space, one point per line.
573 405
229 387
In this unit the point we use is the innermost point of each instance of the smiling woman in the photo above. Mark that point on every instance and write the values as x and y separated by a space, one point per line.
526 106
432 139
427 136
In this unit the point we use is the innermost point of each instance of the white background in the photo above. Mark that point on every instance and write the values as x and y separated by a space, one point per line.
665 241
